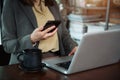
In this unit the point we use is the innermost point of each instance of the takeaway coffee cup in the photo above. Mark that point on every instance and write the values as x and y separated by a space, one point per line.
30 60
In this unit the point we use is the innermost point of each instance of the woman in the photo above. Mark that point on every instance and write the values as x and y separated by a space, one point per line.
23 21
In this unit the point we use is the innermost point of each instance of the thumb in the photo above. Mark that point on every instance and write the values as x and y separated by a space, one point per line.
40 28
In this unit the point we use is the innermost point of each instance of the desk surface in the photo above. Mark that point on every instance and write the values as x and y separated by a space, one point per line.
12 72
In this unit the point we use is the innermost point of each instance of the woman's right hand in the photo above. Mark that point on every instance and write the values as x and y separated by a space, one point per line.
38 34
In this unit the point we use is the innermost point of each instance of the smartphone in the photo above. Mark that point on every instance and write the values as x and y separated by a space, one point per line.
51 23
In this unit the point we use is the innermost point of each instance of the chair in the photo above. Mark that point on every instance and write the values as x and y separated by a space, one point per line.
4 57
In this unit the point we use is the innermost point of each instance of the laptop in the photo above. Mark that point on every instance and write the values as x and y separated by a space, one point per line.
95 50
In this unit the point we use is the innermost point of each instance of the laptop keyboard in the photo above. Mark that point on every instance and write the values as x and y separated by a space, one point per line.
64 64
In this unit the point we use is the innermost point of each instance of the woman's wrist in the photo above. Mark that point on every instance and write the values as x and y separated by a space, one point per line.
32 40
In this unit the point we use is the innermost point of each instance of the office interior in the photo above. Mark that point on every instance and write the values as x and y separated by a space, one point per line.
80 17
96 15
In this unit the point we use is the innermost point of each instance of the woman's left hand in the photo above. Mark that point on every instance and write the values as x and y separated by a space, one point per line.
73 51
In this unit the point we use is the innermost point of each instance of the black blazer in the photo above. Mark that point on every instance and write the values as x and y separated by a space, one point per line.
18 23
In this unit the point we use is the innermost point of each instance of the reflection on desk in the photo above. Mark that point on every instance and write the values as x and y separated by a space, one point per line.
12 72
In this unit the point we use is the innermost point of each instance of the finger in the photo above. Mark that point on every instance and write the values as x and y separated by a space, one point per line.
71 53
49 29
50 34
40 28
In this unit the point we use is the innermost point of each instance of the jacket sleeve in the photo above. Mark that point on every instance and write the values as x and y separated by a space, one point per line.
67 42
10 40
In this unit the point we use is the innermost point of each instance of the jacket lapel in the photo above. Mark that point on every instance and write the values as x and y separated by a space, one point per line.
55 12
29 13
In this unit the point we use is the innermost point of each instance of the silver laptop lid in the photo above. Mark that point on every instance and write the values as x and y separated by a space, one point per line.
95 50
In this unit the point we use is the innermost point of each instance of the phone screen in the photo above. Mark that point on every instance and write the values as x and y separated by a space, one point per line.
51 23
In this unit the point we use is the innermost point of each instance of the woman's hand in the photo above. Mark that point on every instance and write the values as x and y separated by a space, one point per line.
73 51
38 34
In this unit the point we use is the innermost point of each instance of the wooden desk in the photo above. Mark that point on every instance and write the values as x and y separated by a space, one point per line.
12 72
